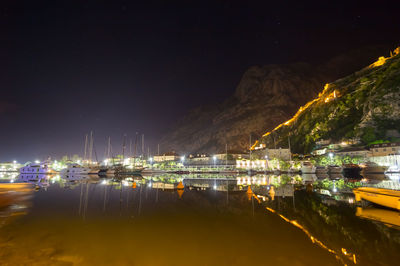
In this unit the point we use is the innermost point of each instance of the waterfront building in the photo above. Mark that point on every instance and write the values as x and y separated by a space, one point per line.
385 149
9 166
354 151
203 157
232 155
166 157
282 154
251 164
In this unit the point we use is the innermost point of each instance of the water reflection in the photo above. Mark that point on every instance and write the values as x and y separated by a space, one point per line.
282 219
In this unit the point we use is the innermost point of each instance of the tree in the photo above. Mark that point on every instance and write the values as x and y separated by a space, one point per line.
368 135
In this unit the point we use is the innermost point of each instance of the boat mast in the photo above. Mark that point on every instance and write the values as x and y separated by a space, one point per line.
109 147
86 143
135 148
130 147
143 145
250 150
90 146
290 153
123 146
226 154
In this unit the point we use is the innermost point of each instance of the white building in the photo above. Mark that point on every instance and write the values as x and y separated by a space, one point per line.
9 166
283 154
353 151
166 157
253 164
385 149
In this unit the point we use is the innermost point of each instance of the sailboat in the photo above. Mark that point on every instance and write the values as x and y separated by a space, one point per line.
89 167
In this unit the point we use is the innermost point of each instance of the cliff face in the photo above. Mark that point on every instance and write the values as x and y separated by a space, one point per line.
364 105
265 97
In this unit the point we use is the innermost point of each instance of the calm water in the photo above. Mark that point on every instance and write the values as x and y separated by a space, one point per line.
213 221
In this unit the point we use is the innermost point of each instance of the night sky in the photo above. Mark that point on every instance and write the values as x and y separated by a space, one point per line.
68 67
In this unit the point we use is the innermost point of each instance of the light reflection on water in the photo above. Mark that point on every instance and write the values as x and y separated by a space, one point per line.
215 220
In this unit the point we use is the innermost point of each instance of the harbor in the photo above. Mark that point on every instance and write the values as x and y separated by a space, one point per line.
74 216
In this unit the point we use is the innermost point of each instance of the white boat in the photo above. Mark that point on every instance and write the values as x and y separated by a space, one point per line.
372 168
309 178
335 169
388 217
76 169
321 170
307 168
381 196
36 168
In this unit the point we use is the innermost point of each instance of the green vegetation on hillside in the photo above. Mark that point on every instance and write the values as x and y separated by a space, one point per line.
364 105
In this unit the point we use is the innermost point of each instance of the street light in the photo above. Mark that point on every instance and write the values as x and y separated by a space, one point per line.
331 156
182 159
214 159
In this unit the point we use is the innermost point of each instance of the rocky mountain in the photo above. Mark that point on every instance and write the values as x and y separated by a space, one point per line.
265 97
364 106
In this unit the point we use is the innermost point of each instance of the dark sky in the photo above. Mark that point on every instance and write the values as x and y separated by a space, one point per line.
68 67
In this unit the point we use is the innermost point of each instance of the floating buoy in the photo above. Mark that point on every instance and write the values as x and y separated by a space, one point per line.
249 192
180 193
180 186
272 193
134 185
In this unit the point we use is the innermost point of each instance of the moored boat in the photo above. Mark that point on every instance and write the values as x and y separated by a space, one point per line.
321 170
36 168
372 168
352 171
381 196
335 169
307 168
76 169
386 216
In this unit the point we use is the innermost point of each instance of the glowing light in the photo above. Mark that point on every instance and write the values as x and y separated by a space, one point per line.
320 98
381 60
37 161
347 254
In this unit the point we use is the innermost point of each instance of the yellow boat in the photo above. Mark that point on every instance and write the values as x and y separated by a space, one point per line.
381 196
388 217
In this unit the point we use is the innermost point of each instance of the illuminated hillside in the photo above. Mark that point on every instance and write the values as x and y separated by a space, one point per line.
363 105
